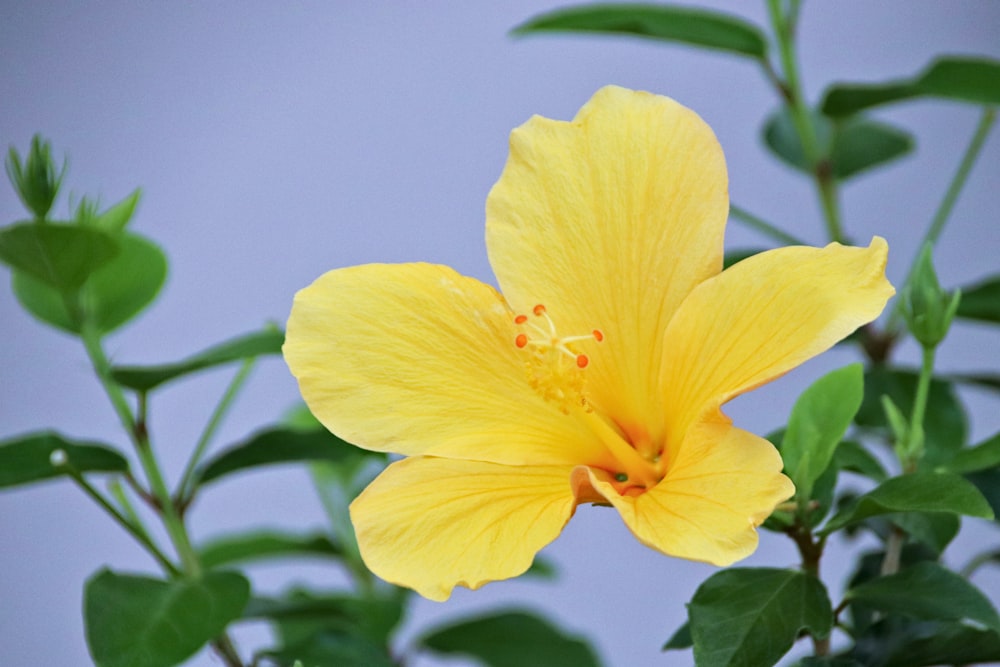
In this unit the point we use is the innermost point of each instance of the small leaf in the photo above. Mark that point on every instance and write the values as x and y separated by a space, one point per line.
988 483
112 295
981 301
983 456
752 616
280 445
681 639
852 457
712 30
974 80
734 256
917 492
28 458
61 256
144 378
330 649
116 217
819 419
301 614
945 644
510 639
265 545
927 591
136 621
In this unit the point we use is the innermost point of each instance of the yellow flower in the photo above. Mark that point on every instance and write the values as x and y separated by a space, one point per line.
598 374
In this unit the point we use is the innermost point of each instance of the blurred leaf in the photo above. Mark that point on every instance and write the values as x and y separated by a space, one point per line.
117 216
61 256
681 639
112 295
981 301
828 661
945 644
945 423
35 180
510 639
279 445
542 568
864 618
135 621
28 458
698 27
144 378
331 649
853 457
988 483
752 616
853 146
988 380
917 492
927 591
303 613
983 456
265 545
734 256
975 80
819 419
936 530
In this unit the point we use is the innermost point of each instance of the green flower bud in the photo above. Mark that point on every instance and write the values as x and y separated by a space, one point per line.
36 180
928 309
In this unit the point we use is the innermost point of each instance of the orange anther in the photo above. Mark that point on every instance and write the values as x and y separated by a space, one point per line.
520 319
582 360
521 340
598 335
539 309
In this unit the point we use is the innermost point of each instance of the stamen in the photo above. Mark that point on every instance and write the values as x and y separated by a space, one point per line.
520 319
582 361
538 310
598 335
521 340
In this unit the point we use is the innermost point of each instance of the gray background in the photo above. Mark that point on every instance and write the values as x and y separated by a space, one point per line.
275 141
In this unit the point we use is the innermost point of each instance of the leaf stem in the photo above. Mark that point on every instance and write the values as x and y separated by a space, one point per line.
760 225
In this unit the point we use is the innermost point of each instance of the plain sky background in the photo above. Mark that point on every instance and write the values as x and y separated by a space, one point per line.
277 140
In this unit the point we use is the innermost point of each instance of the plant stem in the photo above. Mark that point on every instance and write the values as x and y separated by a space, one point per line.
811 551
762 226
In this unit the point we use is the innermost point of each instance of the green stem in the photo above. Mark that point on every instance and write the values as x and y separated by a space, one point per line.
978 561
335 506
944 209
232 391
762 226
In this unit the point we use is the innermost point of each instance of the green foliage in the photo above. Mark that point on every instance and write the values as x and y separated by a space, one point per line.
708 29
983 456
145 378
35 179
266 545
928 309
744 617
60 256
35 457
136 621
489 639
973 80
981 301
681 639
852 457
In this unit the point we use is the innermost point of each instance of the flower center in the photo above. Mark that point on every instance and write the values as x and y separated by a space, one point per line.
554 366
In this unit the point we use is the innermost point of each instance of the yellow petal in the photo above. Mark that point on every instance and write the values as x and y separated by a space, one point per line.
432 524
762 317
417 359
609 221
723 485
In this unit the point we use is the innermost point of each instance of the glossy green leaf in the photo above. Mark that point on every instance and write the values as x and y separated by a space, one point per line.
61 256
927 591
819 419
137 621
276 446
266 545
945 422
917 492
752 616
681 639
113 295
853 146
853 457
29 458
510 639
144 378
713 30
974 80
983 456
981 301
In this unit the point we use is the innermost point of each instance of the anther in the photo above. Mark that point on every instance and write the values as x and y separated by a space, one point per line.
598 335
581 360
538 310
521 340
520 319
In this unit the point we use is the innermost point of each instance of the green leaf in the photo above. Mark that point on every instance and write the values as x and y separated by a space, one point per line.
303 613
116 217
279 445
933 529
927 591
331 649
29 458
818 421
917 492
681 639
988 483
265 545
945 644
983 456
974 80
144 378
987 380
35 180
61 256
853 146
945 423
712 30
752 616
510 639
112 295
981 301
136 621
734 256
853 457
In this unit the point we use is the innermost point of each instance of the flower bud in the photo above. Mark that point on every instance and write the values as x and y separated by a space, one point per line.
36 180
928 309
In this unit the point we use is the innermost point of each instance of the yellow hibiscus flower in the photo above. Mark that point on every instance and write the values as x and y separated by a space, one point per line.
598 373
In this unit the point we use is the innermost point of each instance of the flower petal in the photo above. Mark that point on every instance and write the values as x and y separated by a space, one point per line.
432 524
610 220
723 485
417 359
762 317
